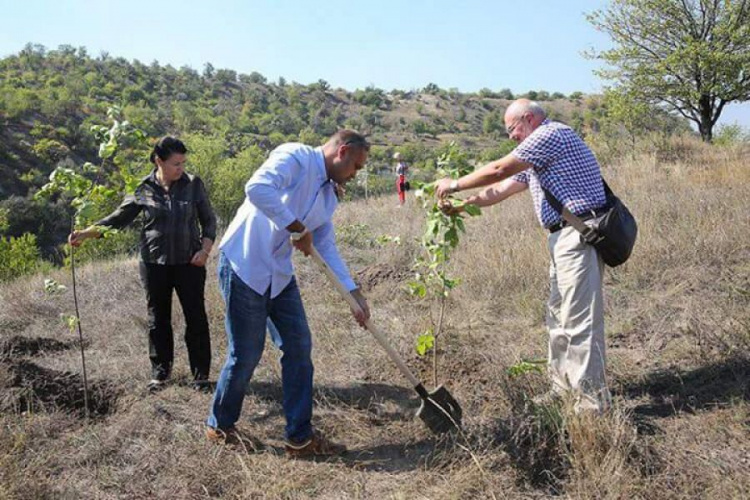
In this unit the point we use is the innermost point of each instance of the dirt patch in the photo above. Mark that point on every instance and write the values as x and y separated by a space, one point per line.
372 276
26 386
25 346
675 390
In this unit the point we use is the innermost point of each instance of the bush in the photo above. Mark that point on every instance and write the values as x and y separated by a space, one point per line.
19 256
730 135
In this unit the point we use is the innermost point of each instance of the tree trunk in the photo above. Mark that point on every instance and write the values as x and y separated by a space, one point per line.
705 127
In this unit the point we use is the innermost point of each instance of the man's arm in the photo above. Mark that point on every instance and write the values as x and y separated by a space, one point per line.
490 196
491 173
264 188
497 192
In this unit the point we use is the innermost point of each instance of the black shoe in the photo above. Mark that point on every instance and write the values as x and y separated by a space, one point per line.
202 386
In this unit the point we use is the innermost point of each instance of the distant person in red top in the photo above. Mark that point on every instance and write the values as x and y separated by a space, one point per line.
401 185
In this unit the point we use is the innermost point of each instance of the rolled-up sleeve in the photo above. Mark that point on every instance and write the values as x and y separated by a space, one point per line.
265 186
542 148
206 214
325 241
522 177
123 215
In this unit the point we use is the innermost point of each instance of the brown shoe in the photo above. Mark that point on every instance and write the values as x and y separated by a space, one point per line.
235 438
315 446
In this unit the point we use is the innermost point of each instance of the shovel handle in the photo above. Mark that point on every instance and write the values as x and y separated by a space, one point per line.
376 332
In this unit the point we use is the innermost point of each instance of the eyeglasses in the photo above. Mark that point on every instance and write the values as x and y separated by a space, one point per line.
513 126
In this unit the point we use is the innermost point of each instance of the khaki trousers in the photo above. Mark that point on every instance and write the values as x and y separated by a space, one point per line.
575 320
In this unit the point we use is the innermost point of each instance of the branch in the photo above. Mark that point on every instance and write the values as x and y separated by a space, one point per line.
717 112
691 20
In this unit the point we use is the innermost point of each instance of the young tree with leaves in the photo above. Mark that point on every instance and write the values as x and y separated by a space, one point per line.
440 238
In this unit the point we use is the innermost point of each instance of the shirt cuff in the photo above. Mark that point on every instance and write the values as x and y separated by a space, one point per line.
284 219
349 284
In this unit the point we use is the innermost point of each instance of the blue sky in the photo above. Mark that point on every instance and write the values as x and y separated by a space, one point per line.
535 44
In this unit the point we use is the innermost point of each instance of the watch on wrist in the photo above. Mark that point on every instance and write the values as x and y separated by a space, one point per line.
296 236
453 186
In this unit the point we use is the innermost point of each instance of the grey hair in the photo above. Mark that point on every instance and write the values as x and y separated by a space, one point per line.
536 109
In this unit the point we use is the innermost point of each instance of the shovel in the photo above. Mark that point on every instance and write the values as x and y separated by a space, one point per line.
439 409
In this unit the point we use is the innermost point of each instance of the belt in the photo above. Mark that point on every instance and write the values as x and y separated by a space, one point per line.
584 217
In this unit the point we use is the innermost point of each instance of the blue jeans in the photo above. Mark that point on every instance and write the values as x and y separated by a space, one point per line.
247 314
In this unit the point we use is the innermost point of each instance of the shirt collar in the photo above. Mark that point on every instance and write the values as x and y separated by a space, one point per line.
152 178
320 162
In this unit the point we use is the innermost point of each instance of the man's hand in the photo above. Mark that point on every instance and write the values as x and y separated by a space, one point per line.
362 313
200 258
448 208
446 186
304 243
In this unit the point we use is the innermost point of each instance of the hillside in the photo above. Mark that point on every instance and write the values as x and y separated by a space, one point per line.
51 97
677 317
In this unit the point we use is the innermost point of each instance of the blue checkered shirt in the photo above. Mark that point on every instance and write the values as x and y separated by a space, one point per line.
565 166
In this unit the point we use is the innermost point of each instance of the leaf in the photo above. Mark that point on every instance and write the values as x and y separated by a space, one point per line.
451 237
417 289
425 342
472 210
107 149
89 168
70 320
52 287
524 367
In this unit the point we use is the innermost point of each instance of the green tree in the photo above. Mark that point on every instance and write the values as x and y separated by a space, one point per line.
626 111
229 184
691 55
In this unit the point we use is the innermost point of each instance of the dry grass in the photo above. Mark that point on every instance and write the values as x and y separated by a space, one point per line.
678 331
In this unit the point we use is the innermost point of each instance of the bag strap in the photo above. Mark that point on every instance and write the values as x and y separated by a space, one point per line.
589 234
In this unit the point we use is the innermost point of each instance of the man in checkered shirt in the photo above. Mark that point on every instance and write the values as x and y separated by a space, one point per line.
551 155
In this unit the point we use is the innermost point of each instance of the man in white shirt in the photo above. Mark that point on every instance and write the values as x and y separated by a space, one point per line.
289 202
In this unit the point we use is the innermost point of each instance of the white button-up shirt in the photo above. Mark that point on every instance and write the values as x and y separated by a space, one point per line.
291 184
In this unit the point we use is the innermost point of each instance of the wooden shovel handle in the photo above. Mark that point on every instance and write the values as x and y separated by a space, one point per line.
376 332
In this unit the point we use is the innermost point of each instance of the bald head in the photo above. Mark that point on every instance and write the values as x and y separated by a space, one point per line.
522 117
519 107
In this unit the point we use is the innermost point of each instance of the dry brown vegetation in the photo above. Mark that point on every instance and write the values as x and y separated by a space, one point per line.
678 331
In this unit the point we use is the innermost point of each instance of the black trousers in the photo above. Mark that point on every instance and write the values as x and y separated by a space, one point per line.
189 283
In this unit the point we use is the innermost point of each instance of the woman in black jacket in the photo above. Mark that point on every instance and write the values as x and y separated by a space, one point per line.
173 255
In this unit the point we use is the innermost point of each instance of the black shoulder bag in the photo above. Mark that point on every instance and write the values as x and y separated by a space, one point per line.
612 232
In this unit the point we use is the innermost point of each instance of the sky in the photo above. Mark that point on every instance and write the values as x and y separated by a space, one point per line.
468 44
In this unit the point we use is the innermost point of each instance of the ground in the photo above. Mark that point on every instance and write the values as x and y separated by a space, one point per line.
678 317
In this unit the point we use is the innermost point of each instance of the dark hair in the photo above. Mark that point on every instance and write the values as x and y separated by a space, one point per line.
350 138
165 147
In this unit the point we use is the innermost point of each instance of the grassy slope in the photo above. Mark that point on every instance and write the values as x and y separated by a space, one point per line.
677 330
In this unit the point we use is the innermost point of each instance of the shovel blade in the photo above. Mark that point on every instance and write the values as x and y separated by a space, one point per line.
440 411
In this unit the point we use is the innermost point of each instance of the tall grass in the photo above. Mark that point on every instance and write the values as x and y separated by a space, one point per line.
677 317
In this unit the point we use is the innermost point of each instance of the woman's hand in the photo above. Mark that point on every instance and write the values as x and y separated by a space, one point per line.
77 237
200 258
